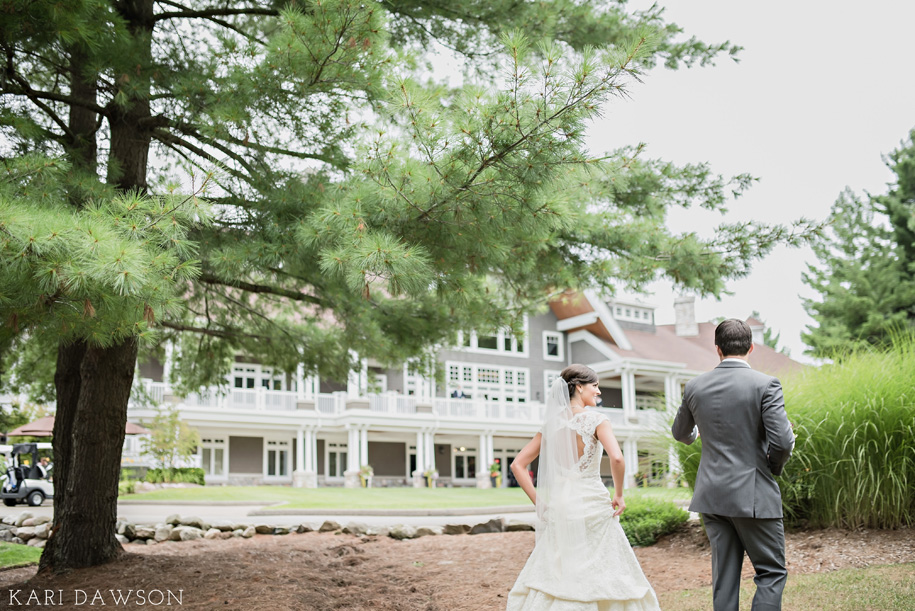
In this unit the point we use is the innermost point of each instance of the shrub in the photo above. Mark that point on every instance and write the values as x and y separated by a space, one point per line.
126 487
189 475
647 519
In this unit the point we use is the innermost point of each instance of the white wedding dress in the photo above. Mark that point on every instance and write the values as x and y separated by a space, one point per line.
607 575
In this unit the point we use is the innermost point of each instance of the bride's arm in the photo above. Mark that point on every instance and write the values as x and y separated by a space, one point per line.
520 466
617 463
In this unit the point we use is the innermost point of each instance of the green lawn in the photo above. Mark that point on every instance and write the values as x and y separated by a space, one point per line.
13 554
370 498
877 588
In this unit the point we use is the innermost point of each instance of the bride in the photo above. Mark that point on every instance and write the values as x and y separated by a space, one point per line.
582 559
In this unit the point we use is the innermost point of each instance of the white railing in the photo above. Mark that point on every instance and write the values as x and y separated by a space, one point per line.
392 403
329 403
261 399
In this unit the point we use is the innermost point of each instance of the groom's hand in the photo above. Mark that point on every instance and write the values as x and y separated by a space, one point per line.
619 505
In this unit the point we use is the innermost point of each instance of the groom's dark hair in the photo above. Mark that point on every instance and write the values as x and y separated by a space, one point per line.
734 337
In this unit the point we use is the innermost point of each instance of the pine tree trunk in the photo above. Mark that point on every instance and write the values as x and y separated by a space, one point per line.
93 384
92 389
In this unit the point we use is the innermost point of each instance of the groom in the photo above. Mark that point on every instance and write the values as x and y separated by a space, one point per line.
746 440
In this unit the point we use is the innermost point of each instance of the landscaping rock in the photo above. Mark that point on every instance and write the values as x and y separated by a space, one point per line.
425 531
456 529
224 525
190 533
173 519
6 535
130 530
41 531
238 532
377 531
25 532
281 530
22 517
151 542
39 543
212 533
355 528
329 526
518 526
39 520
120 526
195 522
248 532
122 539
10 520
29 522
145 533
496 525
263 529
303 528
402 531
17 540
163 533
224 535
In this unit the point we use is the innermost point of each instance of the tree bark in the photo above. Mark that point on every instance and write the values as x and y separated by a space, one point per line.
89 437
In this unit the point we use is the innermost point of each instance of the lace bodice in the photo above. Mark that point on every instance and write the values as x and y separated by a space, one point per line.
585 424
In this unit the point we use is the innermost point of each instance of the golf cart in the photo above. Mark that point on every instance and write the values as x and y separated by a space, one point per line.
24 481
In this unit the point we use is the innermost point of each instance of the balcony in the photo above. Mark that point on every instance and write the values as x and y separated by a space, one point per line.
243 400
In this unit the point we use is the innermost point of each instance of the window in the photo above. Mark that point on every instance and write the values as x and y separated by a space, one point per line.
277 458
213 456
488 382
549 376
336 460
503 342
552 346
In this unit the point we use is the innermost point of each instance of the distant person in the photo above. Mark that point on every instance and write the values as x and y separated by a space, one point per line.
582 559
458 394
746 440
44 467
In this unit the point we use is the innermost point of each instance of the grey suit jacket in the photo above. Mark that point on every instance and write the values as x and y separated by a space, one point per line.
746 439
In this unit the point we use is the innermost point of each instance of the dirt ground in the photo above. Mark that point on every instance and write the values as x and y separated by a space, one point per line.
437 573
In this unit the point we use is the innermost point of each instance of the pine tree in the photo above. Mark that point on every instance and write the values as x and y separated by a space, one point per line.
866 270
352 204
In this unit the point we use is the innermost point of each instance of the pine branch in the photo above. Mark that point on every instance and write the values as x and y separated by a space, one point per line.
260 288
225 334
209 13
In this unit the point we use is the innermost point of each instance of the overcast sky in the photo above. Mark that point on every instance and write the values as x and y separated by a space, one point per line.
823 89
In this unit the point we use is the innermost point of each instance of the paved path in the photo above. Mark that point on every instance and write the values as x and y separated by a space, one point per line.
266 514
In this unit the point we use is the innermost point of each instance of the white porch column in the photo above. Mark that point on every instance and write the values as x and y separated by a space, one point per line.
672 394
430 451
351 475
305 475
631 457
627 379
300 451
483 462
363 447
168 364
300 382
314 450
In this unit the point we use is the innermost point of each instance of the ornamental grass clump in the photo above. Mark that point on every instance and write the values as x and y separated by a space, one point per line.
854 462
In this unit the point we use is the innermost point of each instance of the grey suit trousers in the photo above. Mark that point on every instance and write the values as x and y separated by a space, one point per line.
764 542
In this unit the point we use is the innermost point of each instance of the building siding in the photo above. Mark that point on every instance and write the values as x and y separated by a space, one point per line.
388 458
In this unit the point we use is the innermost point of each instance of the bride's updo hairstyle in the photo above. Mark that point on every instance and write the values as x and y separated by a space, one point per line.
578 375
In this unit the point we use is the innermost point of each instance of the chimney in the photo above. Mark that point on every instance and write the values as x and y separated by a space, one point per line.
685 315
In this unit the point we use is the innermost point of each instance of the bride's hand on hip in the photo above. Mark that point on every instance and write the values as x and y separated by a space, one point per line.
619 505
